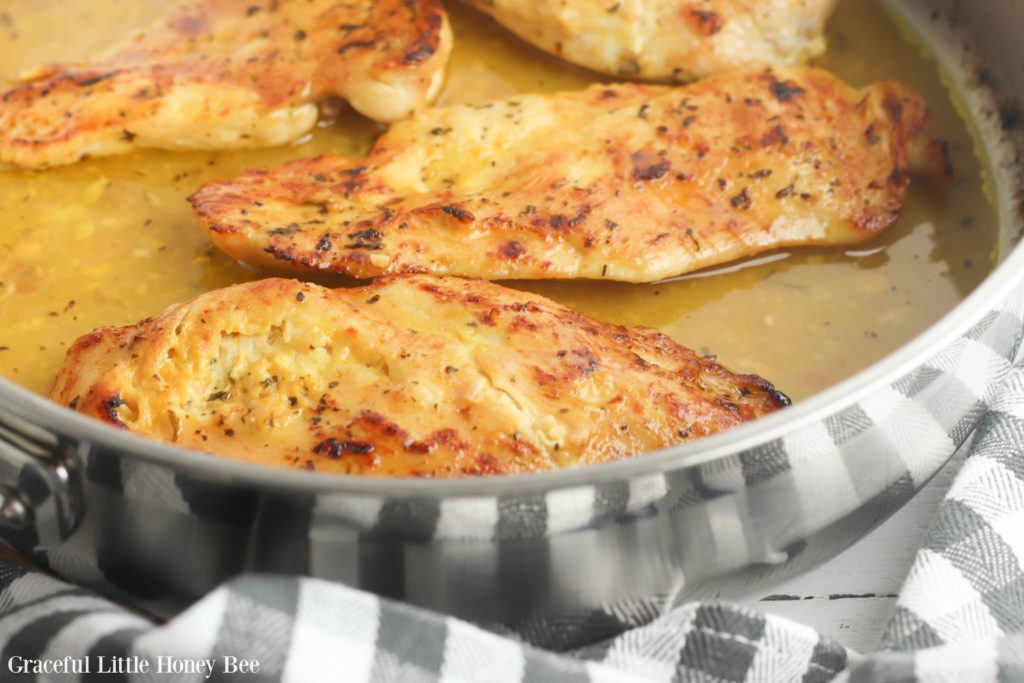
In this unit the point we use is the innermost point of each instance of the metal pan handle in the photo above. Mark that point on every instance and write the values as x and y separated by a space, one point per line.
42 499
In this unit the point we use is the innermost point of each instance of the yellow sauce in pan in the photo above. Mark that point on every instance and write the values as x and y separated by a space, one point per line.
111 241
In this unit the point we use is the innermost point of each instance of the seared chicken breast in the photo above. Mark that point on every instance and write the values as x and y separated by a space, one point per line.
213 74
668 39
627 182
414 375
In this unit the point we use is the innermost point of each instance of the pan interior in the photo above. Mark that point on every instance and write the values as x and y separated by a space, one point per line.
111 241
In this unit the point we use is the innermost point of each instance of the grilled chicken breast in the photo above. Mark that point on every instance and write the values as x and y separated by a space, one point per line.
628 182
414 375
214 74
668 39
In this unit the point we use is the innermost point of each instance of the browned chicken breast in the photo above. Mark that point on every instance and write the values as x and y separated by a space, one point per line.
212 74
415 376
668 39
630 182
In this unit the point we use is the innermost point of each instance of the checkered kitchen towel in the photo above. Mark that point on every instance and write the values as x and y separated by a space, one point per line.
960 617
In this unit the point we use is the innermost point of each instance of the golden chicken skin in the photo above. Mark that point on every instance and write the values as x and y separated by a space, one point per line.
222 74
410 376
668 39
633 182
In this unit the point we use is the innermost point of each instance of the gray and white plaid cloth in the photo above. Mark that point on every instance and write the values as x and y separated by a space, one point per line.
960 617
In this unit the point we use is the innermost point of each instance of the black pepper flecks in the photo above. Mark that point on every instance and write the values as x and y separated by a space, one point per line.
785 91
333 448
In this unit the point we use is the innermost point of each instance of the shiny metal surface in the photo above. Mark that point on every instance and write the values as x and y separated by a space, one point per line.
41 490
578 553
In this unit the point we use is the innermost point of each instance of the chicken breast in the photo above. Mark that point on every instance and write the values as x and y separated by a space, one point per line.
213 74
628 182
415 375
668 39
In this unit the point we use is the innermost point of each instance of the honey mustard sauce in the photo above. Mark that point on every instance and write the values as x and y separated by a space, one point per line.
112 241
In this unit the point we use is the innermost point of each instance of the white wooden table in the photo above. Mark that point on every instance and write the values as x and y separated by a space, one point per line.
851 597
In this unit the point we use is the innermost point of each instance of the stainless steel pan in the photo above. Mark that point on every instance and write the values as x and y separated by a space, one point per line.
571 555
